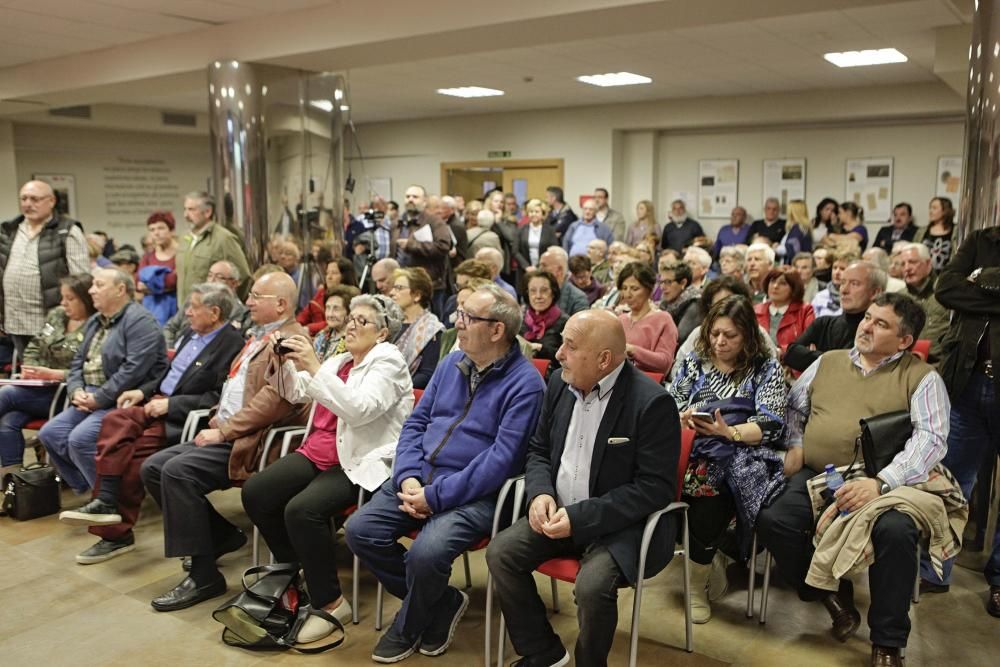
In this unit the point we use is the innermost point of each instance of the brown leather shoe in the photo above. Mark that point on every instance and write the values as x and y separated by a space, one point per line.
846 619
993 605
883 656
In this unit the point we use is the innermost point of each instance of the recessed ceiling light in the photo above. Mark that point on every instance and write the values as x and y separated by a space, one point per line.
867 57
470 91
614 79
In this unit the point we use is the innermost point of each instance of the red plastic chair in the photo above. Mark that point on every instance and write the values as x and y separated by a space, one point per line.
542 365
567 569
922 348
417 395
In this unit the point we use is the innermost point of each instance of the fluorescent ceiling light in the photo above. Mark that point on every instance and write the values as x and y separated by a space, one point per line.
867 57
470 91
324 105
614 79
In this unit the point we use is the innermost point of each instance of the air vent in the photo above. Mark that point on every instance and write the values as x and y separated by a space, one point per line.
71 112
179 119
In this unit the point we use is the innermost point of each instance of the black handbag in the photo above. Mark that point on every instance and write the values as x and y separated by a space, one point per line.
31 492
882 437
269 612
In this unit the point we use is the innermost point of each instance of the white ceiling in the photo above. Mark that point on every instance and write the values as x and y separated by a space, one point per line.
769 49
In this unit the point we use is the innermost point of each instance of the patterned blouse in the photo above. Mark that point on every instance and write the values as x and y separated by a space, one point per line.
699 383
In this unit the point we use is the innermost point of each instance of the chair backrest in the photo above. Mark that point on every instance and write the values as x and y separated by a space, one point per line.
542 365
922 348
417 395
655 377
687 441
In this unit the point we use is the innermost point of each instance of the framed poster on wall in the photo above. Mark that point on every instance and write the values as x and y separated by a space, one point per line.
65 189
718 187
785 180
869 185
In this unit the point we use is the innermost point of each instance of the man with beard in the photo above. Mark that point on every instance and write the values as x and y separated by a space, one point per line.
422 239
680 230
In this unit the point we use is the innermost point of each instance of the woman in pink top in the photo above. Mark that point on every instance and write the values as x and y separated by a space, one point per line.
362 397
650 334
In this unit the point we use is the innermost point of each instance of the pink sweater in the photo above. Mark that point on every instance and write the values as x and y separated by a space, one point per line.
654 338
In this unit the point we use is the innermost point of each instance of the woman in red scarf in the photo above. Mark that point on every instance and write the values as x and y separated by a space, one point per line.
543 321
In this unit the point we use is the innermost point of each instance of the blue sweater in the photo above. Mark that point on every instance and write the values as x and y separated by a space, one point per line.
464 447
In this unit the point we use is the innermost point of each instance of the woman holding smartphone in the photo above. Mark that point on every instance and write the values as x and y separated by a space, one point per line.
731 391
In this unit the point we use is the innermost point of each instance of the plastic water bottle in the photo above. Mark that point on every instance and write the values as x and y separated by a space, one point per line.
834 480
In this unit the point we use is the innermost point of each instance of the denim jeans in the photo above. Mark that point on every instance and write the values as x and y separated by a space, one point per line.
18 406
419 576
974 435
71 442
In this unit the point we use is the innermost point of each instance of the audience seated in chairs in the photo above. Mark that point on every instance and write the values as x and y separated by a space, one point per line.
122 348
877 376
827 300
449 339
339 271
589 501
420 338
222 272
467 435
228 452
680 298
650 333
543 321
733 469
47 357
153 416
330 341
362 398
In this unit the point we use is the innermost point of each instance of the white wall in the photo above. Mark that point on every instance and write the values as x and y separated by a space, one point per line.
159 168
914 147
8 170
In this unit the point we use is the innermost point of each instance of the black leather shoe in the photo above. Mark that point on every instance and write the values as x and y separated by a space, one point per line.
883 656
932 587
187 594
235 543
845 616
993 605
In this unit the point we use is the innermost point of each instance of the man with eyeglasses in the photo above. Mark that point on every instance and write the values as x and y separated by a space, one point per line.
229 450
225 273
38 248
467 435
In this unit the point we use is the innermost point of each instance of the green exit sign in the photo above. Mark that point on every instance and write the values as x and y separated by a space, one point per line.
496 154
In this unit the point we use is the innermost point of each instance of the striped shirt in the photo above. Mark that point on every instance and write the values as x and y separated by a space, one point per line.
930 411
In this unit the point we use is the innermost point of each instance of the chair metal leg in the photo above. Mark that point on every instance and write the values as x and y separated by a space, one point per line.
555 594
766 588
916 584
378 607
489 617
688 628
468 571
355 592
633 646
256 547
501 640
752 582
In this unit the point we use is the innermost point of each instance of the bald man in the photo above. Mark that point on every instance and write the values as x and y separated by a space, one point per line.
38 248
180 477
604 457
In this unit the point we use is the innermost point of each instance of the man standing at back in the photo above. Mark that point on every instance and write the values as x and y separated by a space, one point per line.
603 458
585 230
38 248
207 243
422 239
611 218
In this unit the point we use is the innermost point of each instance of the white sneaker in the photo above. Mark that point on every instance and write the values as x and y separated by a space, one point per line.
718 582
316 628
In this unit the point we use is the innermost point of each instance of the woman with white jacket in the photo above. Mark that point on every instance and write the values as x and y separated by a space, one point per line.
362 397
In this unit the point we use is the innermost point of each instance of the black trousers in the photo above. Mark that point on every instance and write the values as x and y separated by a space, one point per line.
179 478
786 527
514 555
708 519
292 502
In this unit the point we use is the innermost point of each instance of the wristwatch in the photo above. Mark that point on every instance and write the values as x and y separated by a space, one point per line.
974 276
735 435
883 487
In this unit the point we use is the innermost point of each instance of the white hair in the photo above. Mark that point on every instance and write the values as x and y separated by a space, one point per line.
485 219
764 249
923 252
560 255
700 254
491 256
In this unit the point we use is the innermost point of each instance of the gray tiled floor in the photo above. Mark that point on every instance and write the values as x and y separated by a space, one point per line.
54 612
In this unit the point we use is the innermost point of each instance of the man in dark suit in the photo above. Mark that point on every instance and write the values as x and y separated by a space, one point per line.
604 457
153 416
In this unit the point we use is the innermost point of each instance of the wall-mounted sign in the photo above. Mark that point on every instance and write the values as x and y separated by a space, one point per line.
495 154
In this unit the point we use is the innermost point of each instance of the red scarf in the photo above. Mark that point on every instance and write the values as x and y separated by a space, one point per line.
537 322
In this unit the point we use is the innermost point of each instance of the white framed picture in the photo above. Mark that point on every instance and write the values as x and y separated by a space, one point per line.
718 187
785 180
868 183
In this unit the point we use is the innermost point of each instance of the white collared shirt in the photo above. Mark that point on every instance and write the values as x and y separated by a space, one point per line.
231 399
573 477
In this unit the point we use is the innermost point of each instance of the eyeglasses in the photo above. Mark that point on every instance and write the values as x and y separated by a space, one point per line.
400 288
258 297
218 276
358 321
33 199
466 319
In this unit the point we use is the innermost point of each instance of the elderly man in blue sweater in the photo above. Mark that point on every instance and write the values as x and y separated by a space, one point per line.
468 434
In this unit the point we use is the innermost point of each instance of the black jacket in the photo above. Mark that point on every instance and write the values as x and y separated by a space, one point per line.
830 332
884 237
561 221
547 239
52 263
200 385
975 306
679 237
774 232
629 479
